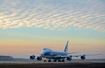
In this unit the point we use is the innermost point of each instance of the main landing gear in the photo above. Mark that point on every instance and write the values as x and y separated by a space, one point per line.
49 60
61 60
55 60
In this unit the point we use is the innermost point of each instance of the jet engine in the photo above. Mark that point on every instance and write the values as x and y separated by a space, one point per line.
83 57
32 57
69 58
39 58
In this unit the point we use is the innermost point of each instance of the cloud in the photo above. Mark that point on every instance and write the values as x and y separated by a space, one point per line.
52 14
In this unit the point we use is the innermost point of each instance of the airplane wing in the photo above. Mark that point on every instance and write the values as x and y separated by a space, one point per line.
60 56
72 52
78 55
74 55
57 56
35 55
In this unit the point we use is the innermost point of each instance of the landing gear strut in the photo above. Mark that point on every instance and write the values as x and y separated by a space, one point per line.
44 60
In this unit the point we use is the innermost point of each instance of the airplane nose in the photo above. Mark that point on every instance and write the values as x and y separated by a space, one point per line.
42 53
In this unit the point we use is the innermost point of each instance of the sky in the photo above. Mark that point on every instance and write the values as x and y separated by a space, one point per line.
28 26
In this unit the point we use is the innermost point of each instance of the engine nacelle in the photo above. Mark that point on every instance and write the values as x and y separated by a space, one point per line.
69 58
39 58
32 57
83 57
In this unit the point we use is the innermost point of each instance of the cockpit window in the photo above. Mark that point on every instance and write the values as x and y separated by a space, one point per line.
46 49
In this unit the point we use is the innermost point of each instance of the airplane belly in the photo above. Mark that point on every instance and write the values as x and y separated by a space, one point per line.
53 57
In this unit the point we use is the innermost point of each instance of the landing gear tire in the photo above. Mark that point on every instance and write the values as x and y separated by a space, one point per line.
63 60
55 60
44 60
49 60
59 60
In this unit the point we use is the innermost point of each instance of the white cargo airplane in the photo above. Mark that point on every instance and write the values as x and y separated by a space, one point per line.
57 55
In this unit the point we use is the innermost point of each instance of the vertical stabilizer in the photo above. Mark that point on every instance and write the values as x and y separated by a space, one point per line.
66 47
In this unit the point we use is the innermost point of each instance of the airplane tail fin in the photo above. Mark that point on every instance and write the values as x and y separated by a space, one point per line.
66 47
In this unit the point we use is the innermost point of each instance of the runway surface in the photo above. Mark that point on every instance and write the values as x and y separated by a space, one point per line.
75 63
36 61
52 65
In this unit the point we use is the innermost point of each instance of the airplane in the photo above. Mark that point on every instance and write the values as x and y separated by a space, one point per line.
59 56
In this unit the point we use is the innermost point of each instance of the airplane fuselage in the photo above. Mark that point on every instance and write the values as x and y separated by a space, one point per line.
51 54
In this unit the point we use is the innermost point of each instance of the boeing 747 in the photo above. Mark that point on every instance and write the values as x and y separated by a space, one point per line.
59 56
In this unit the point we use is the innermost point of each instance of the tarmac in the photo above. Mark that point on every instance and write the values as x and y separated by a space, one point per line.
75 63
53 65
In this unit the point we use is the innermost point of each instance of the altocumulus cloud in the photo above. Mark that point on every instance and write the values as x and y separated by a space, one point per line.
52 14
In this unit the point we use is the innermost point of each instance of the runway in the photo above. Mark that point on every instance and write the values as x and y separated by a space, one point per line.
75 63
52 65
36 61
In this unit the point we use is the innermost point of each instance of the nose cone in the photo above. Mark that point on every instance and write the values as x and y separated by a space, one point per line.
45 53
